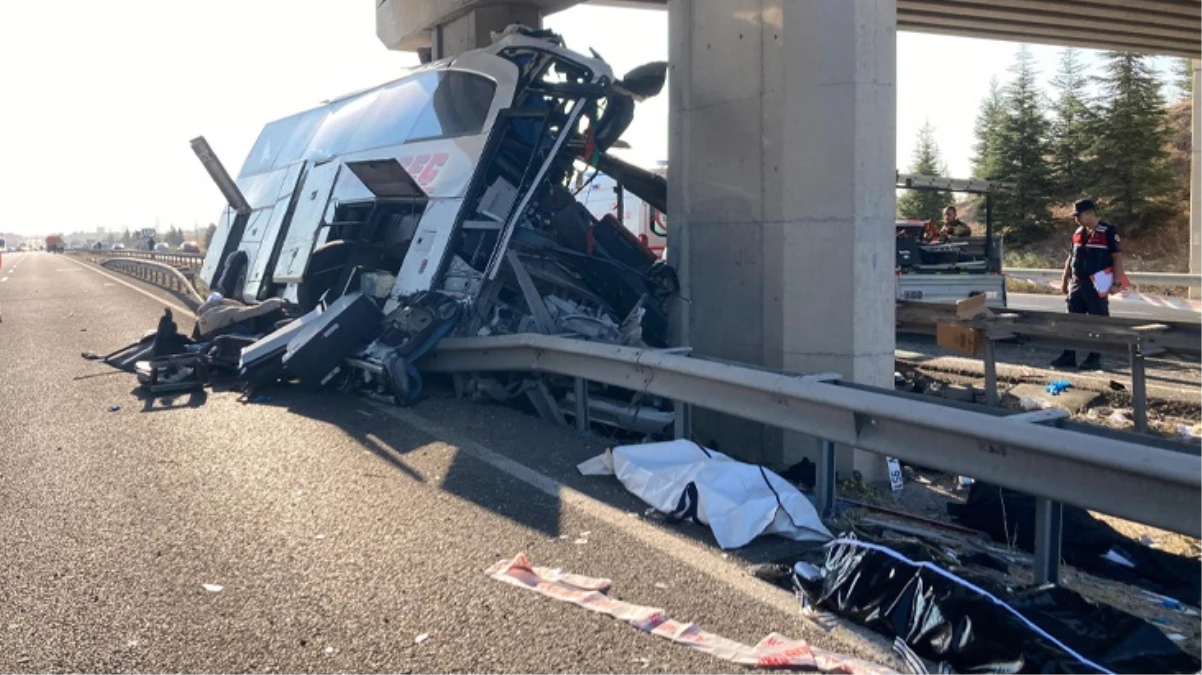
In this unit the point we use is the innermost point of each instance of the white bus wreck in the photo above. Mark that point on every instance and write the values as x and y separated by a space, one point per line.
443 203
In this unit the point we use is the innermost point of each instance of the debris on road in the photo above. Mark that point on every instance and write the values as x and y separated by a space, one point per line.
421 638
425 217
213 588
1008 517
968 621
686 481
1057 387
774 651
114 408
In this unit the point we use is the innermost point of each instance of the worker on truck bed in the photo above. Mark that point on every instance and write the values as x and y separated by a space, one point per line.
953 226
1093 267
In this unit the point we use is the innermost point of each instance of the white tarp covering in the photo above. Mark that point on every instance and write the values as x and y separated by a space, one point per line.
738 501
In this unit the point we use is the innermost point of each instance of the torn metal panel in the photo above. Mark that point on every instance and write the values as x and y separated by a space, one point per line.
449 171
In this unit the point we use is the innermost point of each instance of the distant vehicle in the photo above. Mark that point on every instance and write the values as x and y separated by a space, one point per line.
950 269
98 246
189 247
162 247
54 244
118 247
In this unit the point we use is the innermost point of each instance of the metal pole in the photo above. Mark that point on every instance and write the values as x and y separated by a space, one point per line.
988 228
1139 390
1048 519
991 395
619 190
825 488
582 421
683 420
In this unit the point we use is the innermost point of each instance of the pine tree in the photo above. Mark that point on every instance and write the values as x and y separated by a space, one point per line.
925 204
1183 78
1071 128
175 236
1022 154
1131 174
988 131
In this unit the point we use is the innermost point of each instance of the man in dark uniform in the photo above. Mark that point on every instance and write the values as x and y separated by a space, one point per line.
1095 250
953 226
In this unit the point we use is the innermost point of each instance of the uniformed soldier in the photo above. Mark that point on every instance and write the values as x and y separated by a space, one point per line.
1095 254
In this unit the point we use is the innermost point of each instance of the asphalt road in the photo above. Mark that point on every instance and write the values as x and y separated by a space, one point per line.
339 530
1118 307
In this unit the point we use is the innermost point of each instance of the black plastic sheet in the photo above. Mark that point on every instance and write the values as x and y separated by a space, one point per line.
1008 516
947 619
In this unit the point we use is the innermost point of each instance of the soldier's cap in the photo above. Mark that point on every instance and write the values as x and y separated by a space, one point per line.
1083 205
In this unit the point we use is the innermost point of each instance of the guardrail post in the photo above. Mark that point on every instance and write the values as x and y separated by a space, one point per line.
582 421
1139 390
991 395
682 420
825 480
1048 519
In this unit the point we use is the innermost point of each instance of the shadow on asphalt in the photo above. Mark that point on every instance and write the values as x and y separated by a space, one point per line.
550 450
152 403
391 440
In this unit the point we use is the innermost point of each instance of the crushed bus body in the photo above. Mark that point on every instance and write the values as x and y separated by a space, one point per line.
445 203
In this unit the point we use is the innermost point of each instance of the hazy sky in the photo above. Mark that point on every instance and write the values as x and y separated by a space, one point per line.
101 98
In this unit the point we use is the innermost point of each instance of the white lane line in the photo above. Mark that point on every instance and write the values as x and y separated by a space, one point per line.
152 296
696 556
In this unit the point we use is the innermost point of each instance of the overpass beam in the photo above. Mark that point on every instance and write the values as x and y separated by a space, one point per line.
1195 177
444 28
474 29
781 171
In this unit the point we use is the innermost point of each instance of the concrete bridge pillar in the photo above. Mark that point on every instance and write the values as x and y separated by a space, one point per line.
781 194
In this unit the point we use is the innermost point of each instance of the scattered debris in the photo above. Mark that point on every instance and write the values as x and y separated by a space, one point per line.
661 585
1117 386
1191 434
774 651
328 651
421 638
1089 544
996 629
213 588
771 572
1069 398
1057 387
465 238
1120 417
114 408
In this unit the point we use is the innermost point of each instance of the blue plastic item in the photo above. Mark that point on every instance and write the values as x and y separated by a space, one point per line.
1055 388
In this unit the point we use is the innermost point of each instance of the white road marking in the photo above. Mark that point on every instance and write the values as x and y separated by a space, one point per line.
152 296
696 556
4 279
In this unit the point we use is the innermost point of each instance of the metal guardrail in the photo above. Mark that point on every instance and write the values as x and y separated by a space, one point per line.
1158 484
176 258
1136 339
1137 278
160 274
